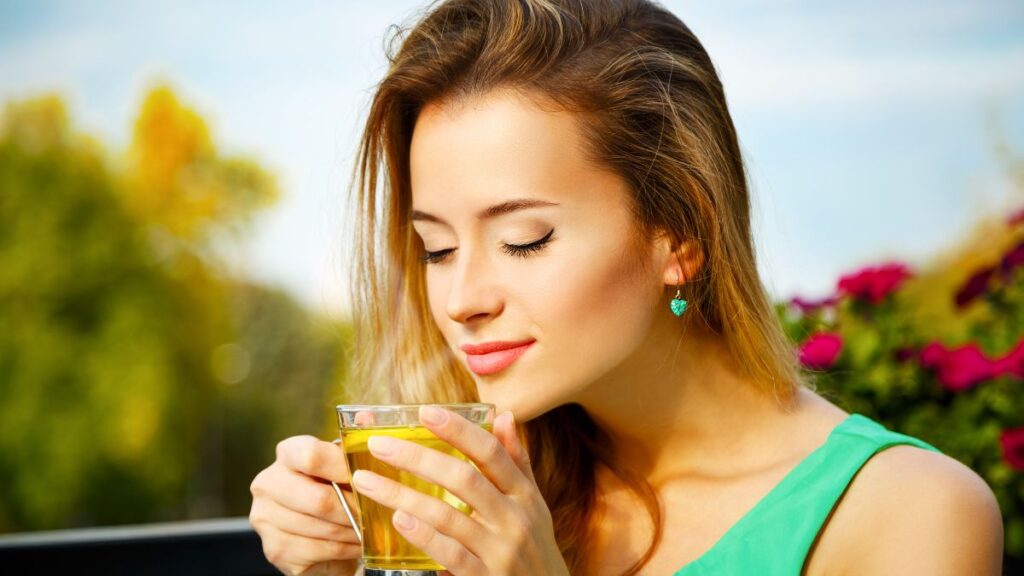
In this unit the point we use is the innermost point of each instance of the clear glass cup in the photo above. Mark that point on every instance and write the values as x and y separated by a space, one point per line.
385 552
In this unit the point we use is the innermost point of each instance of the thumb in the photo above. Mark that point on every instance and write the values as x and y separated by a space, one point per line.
314 457
506 430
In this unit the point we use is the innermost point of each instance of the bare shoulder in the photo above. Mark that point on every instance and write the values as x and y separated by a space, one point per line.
922 512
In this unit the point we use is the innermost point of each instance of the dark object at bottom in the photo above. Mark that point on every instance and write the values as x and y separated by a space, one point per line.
222 547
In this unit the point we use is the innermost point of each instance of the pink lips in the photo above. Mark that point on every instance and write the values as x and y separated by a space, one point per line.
491 357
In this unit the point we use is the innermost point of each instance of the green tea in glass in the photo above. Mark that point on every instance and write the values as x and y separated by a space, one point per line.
385 552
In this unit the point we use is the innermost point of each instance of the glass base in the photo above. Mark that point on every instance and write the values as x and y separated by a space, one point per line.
393 572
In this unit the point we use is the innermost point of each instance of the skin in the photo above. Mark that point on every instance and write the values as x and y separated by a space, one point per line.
704 437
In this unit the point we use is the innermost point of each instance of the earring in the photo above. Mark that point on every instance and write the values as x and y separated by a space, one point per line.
678 305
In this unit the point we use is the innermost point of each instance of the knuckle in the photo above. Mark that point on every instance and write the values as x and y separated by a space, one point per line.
264 485
309 457
467 477
255 516
336 549
256 486
492 448
337 531
282 448
273 550
323 502
505 563
445 515
425 538
520 527
392 492
532 500
459 555
340 549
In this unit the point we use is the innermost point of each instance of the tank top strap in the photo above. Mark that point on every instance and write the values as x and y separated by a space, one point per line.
775 536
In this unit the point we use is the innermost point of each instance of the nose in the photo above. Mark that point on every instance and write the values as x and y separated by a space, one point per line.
473 294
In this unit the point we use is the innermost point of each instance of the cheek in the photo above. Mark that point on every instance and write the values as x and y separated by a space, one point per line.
602 308
591 308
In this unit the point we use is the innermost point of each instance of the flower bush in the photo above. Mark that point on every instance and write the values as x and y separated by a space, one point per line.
935 352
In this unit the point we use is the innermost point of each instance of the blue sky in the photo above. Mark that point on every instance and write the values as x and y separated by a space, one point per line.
867 127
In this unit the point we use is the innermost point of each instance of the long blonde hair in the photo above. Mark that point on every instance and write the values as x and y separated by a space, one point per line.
653 110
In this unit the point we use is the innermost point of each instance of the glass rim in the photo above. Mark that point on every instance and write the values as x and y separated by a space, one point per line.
341 407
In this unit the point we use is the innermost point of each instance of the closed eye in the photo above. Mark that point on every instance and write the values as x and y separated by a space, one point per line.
434 257
521 250
527 249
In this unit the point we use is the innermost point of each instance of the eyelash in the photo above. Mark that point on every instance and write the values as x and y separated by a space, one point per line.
521 250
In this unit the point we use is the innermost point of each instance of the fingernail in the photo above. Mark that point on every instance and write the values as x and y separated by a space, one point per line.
404 521
365 481
382 445
433 415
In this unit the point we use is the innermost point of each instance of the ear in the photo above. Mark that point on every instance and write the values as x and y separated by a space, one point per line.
682 261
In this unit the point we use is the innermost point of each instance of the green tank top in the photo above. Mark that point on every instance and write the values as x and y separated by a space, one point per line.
775 536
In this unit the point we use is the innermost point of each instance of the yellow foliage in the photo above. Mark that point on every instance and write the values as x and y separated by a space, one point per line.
931 292
177 180
36 124
167 139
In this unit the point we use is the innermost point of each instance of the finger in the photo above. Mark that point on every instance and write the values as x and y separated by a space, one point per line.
441 515
480 446
305 495
506 432
268 512
364 418
448 552
284 549
314 457
458 476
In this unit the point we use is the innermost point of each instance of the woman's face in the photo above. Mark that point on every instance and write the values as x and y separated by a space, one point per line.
581 293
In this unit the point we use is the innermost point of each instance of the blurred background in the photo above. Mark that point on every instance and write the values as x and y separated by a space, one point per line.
173 231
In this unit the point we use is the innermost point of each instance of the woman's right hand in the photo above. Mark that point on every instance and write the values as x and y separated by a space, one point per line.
297 514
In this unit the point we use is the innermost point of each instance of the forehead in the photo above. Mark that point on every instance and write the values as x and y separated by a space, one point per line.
497 146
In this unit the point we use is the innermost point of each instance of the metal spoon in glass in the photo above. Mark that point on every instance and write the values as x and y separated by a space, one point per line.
344 504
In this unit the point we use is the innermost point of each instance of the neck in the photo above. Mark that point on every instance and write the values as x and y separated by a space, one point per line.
678 407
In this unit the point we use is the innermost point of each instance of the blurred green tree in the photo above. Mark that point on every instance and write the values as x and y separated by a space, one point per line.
140 380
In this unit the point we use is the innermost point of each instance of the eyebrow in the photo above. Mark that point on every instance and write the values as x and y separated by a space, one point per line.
491 212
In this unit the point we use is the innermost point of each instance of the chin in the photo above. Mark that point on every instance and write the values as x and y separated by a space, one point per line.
509 396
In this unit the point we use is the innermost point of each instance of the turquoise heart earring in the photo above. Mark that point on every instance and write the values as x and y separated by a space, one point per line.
678 305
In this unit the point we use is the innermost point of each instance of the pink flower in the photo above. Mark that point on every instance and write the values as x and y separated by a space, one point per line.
1012 441
1012 363
974 287
932 355
874 283
960 368
820 350
808 306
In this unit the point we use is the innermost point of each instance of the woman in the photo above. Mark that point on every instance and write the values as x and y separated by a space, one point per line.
562 180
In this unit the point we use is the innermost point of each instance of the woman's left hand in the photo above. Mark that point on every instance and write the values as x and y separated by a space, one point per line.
510 530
